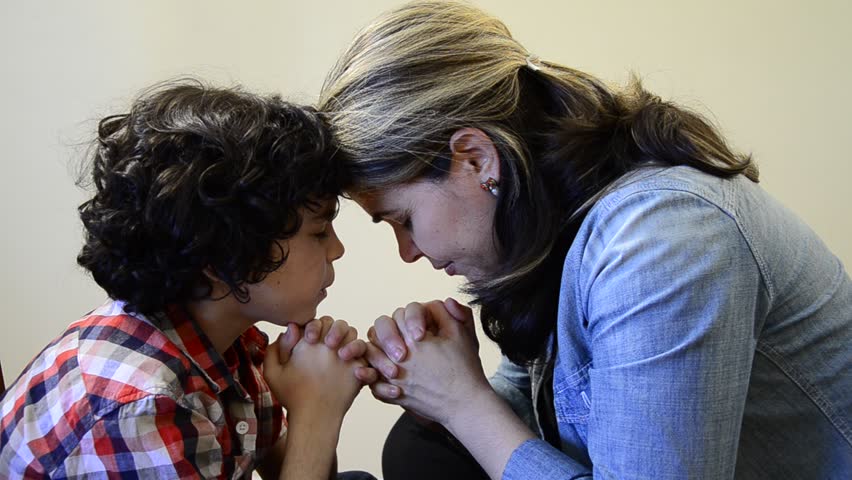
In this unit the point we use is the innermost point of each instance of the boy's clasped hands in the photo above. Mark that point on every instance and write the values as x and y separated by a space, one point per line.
319 367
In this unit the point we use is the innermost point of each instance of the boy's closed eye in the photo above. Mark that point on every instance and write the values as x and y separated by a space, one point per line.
324 231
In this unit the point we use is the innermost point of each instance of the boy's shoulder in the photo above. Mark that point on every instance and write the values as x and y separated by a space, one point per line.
105 359
103 363
127 355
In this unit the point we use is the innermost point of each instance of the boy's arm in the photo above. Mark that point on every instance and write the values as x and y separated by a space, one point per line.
270 466
317 386
310 449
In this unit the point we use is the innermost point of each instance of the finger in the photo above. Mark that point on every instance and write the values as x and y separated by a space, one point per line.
443 323
460 312
313 330
366 375
416 320
385 391
336 333
388 338
352 350
351 336
326 322
378 360
287 342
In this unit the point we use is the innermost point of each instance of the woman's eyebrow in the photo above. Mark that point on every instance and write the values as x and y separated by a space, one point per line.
378 217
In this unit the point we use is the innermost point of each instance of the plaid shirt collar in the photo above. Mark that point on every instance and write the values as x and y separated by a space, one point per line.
180 328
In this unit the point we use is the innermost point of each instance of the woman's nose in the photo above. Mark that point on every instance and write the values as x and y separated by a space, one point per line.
408 250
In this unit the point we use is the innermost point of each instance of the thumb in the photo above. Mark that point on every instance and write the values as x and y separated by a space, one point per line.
272 357
462 313
286 342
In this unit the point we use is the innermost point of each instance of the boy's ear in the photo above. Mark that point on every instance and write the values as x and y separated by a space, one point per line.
474 153
219 288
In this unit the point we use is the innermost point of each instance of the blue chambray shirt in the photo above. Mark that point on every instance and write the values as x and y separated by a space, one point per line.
703 332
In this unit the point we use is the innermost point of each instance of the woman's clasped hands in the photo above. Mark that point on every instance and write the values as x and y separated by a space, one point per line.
428 358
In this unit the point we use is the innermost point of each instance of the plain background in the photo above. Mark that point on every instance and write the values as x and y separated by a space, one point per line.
774 74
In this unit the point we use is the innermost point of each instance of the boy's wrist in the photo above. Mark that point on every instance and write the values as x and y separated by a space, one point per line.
316 416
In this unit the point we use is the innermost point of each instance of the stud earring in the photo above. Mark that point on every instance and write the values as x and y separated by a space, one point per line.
490 186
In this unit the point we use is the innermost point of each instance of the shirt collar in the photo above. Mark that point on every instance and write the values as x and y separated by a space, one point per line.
178 325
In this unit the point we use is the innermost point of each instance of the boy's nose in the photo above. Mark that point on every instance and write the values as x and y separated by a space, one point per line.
337 249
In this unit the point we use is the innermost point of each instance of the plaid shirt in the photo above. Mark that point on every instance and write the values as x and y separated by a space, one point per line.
121 396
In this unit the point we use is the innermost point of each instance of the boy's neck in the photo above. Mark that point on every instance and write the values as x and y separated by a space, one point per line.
222 324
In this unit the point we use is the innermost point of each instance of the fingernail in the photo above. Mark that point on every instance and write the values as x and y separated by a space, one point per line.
393 391
417 333
398 353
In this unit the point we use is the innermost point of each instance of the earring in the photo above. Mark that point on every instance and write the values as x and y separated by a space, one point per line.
490 186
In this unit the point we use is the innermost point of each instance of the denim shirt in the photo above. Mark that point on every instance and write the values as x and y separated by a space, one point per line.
703 332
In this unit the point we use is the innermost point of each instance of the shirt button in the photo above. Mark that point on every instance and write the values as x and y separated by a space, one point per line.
242 428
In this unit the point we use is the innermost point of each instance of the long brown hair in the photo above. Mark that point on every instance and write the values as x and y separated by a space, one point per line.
426 69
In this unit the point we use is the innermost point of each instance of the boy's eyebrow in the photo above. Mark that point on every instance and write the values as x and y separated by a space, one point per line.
328 214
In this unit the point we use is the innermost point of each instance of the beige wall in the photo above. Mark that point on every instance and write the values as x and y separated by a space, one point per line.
775 75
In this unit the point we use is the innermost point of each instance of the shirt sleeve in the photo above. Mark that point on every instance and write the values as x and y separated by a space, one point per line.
154 437
671 292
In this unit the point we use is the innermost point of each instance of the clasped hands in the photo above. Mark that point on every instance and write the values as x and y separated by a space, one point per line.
424 357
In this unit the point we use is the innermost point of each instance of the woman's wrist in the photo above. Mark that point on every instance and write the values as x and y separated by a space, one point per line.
476 404
489 430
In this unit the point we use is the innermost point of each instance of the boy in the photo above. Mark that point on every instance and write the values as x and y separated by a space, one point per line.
212 211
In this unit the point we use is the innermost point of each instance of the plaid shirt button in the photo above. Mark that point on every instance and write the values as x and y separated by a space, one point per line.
242 428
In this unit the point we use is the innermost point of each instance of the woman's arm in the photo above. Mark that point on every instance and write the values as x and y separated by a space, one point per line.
442 379
673 296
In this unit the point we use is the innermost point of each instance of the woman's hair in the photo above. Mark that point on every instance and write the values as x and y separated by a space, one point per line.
427 69
194 181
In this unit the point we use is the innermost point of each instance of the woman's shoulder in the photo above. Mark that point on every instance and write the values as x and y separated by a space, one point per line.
650 182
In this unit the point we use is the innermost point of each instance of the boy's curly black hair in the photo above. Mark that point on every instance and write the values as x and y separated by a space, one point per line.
197 179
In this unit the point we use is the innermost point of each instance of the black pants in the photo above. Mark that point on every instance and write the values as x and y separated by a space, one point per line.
353 475
413 452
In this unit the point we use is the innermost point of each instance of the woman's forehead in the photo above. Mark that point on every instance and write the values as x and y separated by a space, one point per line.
386 203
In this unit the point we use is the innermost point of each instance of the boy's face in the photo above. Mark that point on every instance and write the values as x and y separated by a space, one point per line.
291 293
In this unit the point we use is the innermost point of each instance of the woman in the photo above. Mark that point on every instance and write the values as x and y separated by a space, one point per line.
661 316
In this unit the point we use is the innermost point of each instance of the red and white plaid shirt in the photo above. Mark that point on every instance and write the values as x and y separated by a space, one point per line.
122 396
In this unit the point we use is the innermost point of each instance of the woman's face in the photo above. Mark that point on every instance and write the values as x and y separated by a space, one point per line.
450 222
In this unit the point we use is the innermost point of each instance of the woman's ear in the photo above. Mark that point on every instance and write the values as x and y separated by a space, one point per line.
474 153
